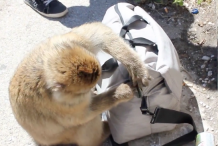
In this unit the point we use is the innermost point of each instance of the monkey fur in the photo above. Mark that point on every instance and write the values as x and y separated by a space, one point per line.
50 92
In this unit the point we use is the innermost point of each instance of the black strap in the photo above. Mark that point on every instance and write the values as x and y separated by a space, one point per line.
143 42
132 20
162 115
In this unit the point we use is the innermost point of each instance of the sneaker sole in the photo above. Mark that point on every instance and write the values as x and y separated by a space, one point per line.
58 15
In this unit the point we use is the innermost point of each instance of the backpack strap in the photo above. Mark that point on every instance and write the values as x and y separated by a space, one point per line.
162 115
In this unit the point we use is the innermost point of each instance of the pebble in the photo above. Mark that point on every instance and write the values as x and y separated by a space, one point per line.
212 56
204 85
206 79
212 79
201 24
211 118
200 79
209 73
204 105
206 58
210 23
153 6
203 66
201 102
207 107
193 29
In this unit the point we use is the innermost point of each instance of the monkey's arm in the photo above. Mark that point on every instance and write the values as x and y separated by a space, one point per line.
103 38
107 100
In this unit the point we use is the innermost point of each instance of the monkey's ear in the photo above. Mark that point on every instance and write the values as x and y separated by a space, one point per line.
57 87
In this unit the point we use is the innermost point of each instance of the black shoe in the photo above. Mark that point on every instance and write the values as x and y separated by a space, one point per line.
48 8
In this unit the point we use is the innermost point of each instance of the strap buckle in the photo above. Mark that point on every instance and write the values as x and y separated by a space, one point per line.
154 115
144 107
145 111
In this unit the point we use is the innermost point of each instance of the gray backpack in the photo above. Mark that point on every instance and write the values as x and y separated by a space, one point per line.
154 108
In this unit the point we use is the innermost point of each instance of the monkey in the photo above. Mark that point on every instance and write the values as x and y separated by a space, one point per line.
50 91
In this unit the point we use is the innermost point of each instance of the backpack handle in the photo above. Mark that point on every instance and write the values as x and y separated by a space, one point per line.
132 20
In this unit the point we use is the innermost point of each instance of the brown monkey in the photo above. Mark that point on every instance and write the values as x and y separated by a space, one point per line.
50 92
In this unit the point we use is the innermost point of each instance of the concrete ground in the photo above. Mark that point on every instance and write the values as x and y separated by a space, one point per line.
21 29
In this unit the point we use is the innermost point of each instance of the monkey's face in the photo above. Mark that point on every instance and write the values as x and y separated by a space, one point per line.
72 70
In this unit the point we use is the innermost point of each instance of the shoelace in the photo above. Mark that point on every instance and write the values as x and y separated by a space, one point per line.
47 2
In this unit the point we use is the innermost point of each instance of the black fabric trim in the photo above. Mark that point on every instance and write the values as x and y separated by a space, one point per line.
162 115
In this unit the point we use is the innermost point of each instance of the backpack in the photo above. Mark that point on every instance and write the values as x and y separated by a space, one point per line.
154 108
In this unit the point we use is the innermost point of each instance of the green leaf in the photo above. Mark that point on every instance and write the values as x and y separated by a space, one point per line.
200 1
178 2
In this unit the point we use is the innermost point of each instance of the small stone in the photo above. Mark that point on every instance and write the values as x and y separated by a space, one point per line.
204 105
206 58
209 73
200 24
189 84
204 85
210 23
193 29
205 62
212 56
201 102
200 79
206 79
211 118
207 107
153 6
203 66
212 79
208 97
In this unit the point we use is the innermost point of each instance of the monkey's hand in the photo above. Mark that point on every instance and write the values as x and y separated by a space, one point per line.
123 93
139 72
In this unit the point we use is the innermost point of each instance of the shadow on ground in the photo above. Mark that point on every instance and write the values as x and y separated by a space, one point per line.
79 15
